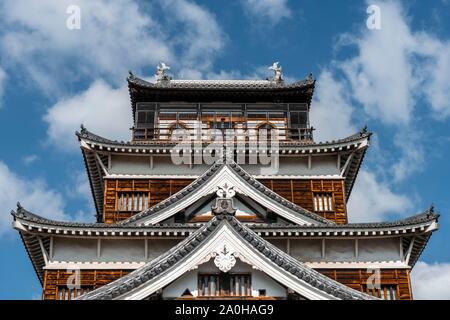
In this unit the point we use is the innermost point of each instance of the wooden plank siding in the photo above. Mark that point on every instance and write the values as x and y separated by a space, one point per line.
301 192
56 280
155 190
357 279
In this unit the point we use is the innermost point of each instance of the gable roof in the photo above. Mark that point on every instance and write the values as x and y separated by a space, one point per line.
227 172
95 151
251 249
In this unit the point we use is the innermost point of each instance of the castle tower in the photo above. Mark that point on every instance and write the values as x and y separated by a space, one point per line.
222 192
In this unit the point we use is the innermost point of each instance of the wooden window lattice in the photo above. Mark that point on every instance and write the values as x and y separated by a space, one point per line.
132 201
323 201
211 285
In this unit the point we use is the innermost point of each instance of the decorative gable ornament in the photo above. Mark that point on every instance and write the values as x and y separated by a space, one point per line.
225 259
225 191
224 203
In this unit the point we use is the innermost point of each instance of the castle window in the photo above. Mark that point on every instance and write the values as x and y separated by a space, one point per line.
224 284
132 201
180 134
65 293
298 116
323 201
268 127
385 292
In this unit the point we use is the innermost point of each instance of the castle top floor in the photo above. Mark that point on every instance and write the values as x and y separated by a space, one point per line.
209 107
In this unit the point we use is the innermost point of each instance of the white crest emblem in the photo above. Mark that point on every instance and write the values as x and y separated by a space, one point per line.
225 259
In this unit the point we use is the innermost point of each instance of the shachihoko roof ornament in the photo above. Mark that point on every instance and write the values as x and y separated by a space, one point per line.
161 75
278 72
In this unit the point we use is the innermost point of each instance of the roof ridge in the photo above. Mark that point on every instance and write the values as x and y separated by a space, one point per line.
215 83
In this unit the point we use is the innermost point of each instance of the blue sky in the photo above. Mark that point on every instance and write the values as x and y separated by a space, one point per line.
396 80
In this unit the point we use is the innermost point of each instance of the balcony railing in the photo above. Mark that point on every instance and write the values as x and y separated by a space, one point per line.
207 134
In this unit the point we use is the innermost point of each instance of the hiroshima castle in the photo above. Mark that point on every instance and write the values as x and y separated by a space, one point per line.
223 193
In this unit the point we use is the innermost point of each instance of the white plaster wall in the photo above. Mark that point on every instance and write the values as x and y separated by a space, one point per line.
381 249
189 281
130 164
163 165
69 249
122 250
322 165
306 250
340 250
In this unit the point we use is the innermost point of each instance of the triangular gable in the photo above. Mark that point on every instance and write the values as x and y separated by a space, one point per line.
208 243
231 175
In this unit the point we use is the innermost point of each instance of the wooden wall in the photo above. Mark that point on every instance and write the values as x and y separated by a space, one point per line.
301 192
56 280
156 189
357 279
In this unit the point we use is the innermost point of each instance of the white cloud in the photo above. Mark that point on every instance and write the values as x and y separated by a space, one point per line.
395 73
431 281
381 75
114 37
32 194
331 111
412 159
435 71
201 38
274 10
373 200
27 160
396 66
101 108
82 188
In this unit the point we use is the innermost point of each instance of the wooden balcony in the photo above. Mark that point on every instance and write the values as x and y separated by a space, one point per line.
142 135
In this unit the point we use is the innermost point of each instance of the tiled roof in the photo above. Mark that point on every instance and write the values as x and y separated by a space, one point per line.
423 218
88 135
177 254
220 84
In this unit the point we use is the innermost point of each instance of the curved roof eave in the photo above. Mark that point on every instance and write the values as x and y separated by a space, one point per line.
32 226
277 260
418 221
104 144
